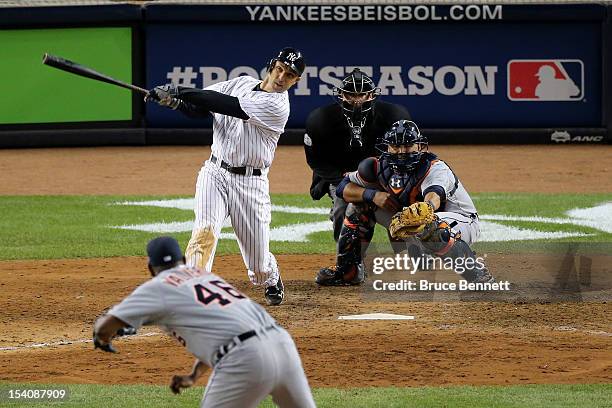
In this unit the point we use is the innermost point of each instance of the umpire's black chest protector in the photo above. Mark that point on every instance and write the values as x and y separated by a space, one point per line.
350 154
406 188
333 135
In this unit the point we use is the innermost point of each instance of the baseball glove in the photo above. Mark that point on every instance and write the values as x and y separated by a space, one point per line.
411 220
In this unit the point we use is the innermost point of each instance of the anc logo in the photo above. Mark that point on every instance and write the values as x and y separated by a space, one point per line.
563 136
560 136
545 80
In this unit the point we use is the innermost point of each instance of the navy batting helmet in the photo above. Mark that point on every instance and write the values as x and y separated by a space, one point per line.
403 133
291 57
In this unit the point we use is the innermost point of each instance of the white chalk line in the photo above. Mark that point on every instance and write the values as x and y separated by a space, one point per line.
596 217
69 342
80 341
586 331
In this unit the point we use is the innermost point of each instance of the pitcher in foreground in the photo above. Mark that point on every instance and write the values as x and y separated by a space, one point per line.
251 355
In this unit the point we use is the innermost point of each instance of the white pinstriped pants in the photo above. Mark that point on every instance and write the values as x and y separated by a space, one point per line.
246 200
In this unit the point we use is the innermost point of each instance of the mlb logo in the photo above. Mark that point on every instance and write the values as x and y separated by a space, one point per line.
545 80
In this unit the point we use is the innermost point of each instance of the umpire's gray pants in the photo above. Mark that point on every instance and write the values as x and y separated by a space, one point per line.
268 364
336 214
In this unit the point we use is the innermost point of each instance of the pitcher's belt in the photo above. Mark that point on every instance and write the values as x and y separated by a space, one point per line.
243 171
241 338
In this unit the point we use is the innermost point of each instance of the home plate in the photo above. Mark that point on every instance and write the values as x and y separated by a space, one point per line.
376 316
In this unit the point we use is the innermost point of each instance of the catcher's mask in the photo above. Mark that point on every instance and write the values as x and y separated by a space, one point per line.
356 95
291 57
403 146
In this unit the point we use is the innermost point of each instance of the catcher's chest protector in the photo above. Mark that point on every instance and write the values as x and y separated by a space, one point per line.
406 188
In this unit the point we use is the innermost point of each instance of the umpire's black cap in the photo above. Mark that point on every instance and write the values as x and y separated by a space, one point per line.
164 251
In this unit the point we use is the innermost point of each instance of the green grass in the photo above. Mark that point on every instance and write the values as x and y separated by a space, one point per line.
532 396
55 227
544 205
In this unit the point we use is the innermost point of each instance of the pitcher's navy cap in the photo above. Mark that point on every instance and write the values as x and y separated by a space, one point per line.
164 251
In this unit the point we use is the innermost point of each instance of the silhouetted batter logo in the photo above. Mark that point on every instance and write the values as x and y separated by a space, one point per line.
545 80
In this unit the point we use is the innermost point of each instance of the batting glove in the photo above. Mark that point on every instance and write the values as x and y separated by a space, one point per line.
165 95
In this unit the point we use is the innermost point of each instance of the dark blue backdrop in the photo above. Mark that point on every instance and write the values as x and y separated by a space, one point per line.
229 45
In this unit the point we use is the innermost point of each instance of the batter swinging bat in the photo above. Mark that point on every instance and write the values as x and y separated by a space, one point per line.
78 69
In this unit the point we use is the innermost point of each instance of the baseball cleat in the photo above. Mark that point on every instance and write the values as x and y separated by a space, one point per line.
478 275
126 331
275 294
484 276
334 276
329 277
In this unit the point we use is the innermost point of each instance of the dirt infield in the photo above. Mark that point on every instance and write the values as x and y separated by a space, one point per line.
448 342
173 170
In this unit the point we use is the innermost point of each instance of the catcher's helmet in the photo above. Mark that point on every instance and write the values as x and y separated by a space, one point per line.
403 133
356 95
291 57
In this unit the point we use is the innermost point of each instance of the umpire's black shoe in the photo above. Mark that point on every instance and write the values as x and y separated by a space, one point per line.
275 294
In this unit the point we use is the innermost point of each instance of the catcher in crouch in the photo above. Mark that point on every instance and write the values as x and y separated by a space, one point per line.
438 216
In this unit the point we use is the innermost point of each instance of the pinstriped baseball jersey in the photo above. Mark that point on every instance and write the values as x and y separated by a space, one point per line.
249 142
245 199
200 309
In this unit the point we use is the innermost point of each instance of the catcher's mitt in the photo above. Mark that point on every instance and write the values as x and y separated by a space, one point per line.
411 220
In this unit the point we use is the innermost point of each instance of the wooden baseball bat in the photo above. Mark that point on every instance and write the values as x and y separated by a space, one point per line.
78 69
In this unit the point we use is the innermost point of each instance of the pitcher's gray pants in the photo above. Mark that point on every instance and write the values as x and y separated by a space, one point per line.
268 364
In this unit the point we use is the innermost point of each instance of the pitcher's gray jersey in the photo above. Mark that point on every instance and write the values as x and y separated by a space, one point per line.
201 310
249 142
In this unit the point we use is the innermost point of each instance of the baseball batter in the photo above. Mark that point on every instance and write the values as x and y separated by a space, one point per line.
251 355
405 175
249 116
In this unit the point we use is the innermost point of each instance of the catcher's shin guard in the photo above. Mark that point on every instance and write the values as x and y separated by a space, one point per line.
355 235
397 245
438 238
